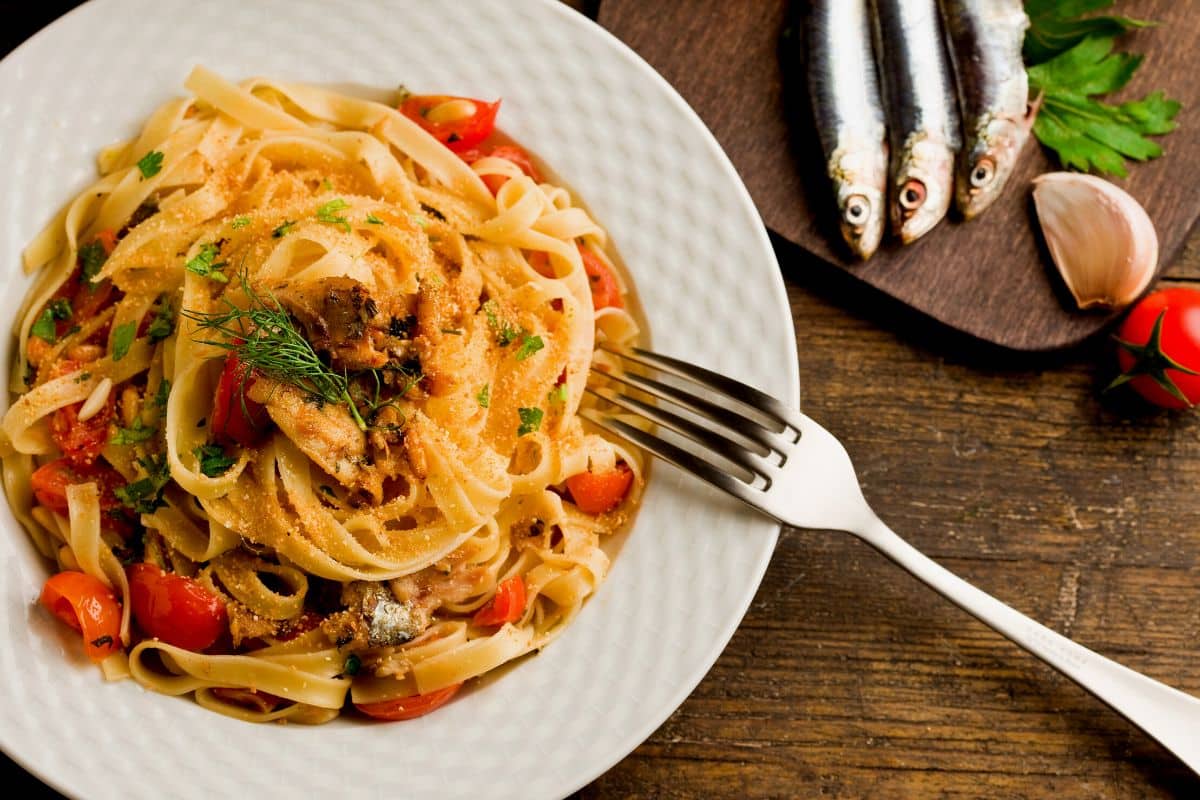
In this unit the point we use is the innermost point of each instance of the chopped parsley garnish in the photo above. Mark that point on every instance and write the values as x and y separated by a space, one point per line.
505 333
214 461
327 184
163 323
529 346
144 496
162 394
374 220
138 432
452 331
150 164
485 396
91 258
83 376
328 214
44 327
558 394
352 665
204 266
283 229
239 223
123 337
531 420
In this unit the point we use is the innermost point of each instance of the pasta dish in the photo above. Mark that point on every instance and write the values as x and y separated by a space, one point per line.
295 403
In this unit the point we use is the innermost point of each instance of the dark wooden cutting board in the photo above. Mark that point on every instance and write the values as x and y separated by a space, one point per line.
989 278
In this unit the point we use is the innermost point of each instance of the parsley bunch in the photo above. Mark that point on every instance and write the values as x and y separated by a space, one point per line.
1071 62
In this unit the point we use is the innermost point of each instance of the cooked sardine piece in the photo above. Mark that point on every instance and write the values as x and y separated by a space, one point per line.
922 114
848 112
985 38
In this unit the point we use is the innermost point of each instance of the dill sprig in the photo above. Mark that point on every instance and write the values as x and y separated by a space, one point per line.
266 339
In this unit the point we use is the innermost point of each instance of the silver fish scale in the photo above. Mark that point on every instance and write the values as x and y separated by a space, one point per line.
918 90
841 71
986 38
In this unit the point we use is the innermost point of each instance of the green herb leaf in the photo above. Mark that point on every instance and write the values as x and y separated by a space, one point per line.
123 336
374 220
91 258
328 214
558 394
60 308
529 346
203 264
352 665
163 323
485 396
327 184
452 331
283 229
1055 26
214 462
531 420
44 327
145 495
505 333
1085 133
162 394
150 164
239 223
138 432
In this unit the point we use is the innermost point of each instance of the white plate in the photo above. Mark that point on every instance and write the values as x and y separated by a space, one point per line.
684 224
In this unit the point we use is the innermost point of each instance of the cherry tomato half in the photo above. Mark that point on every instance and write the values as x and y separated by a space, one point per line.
175 609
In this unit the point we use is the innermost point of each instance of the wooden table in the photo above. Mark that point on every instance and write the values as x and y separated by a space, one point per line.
848 678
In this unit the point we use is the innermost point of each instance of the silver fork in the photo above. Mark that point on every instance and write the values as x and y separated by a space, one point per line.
779 461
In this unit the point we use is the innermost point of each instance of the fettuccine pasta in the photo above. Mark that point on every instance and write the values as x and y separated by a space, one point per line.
295 403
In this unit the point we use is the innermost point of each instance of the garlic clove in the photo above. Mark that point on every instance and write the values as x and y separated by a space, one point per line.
1101 239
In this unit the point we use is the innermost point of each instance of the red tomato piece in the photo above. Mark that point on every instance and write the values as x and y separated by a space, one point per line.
235 416
596 493
606 291
88 606
410 707
509 153
459 134
507 605
81 442
175 609
50 482
1159 350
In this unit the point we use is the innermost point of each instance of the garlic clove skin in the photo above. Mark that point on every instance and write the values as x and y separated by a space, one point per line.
1101 239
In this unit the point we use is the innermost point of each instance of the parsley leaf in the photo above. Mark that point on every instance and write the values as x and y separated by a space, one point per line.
485 396
327 184
505 333
1088 134
374 220
328 214
123 337
150 164
213 460
531 420
60 308
1055 26
558 394
163 324
239 223
162 394
529 346
44 327
353 664
144 495
138 432
283 229
203 264
91 259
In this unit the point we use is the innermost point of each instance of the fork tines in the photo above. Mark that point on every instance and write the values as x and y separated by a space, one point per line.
730 427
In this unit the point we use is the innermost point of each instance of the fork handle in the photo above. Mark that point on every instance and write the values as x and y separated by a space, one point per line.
1167 715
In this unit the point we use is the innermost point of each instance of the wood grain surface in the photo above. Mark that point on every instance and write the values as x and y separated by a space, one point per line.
745 77
847 678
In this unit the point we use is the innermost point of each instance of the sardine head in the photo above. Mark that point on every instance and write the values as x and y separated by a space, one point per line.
987 162
922 187
860 182
861 217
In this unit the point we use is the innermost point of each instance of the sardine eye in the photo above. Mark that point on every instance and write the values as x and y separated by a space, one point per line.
857 209
912 195
983 172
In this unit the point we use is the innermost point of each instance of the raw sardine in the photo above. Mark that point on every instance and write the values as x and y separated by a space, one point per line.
922 113
985 38
849 116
